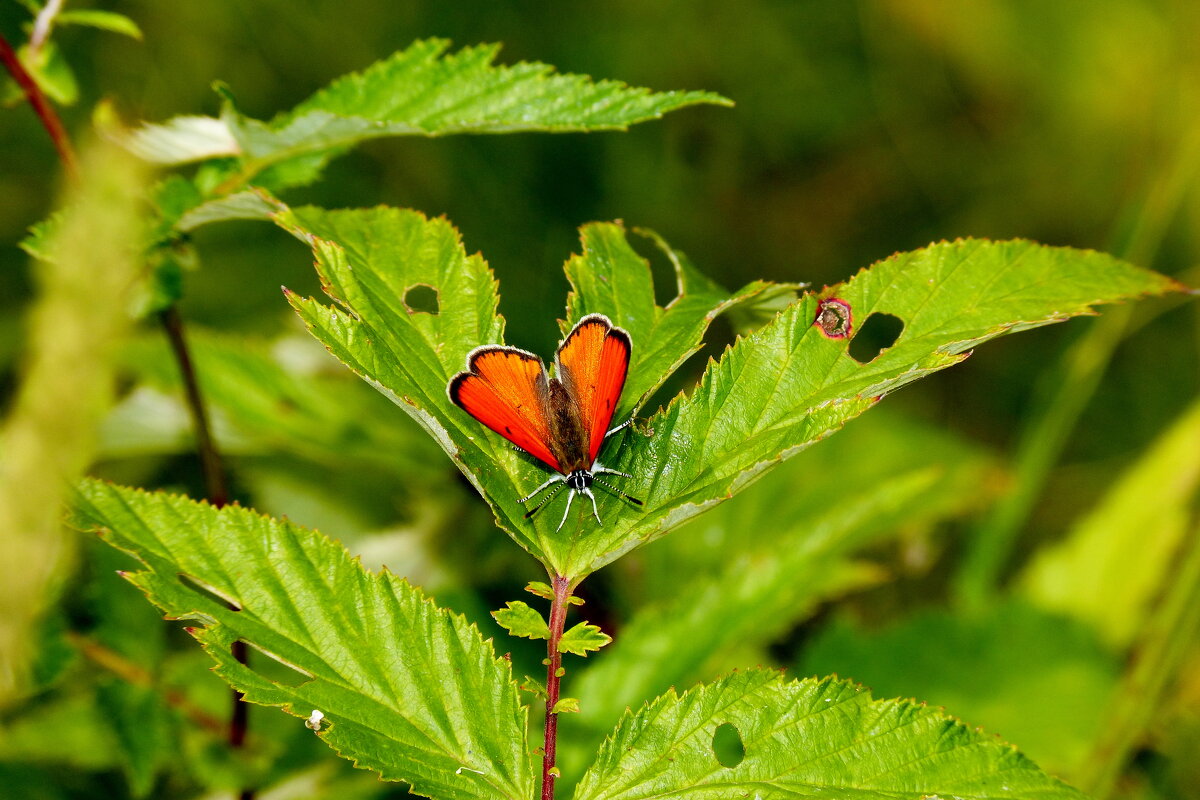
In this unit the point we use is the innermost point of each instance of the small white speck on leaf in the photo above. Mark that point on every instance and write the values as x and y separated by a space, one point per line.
313 722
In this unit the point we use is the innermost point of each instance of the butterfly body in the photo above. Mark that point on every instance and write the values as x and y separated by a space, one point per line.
562 420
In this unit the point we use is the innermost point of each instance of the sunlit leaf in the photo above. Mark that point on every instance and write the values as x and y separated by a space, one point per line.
582 638
407 688
369 262
520 620
803 739
775 392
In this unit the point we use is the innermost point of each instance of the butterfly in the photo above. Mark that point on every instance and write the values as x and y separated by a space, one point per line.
561 421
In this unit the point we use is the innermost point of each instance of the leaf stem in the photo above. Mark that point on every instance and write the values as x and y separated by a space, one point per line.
41 107
558 619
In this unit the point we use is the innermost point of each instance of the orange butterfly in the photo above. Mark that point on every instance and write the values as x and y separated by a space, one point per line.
562 421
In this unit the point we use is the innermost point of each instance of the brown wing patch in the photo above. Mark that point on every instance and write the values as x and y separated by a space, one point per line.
592 363
505 389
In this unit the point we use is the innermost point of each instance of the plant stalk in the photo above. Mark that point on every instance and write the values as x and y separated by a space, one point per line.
41 107
558 618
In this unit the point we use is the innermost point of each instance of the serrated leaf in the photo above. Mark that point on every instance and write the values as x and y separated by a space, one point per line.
408 689
370 259
540 589
566 705
520 620
104 20
1038 680
610 278
583 638
424 91
787 385
1111 567
803 738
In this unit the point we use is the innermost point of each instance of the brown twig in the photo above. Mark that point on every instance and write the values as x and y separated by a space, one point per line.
210 458
558 618
41 107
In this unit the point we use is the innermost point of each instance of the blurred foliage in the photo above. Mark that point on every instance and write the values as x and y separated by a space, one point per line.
860 129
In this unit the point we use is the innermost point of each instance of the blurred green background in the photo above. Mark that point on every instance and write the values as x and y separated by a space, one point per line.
860 129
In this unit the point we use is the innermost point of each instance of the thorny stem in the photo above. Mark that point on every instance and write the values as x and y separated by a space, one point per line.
41 107
558 618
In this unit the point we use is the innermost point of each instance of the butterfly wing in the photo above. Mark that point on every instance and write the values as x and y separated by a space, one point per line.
505 389
592 363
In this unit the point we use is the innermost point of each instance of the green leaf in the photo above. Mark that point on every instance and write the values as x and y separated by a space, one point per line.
566 705
540 589
610 278
424 91
582 638
804 738
1111 568
105 20
408 689
788 385
534 687
520 620
370 259
1038 680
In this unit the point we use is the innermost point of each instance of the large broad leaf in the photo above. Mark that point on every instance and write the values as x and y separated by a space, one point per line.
371 260
422 91
787 549
407 689
805 739
775 392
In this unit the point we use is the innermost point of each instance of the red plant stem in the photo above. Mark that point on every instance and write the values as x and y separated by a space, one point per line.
558 618
41 107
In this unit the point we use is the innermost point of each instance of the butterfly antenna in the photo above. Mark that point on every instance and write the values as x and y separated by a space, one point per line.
546 499
617 491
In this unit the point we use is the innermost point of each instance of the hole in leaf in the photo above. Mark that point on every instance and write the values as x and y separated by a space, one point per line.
276 669
213 593
834 318
727 745
421 299
877 334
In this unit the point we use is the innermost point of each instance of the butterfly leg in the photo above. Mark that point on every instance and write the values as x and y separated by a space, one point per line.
592 497
601 470
570 497
531 495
